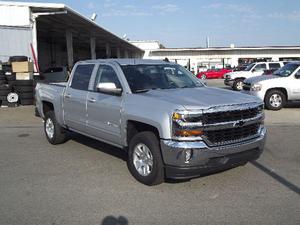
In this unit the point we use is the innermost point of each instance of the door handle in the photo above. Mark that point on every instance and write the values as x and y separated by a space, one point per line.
67 96
92 100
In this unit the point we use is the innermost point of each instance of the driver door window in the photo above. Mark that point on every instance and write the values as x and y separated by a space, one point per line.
106 74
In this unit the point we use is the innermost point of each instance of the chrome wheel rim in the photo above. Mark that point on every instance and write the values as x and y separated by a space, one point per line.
49 128
275 100
203 77
142 159
239 85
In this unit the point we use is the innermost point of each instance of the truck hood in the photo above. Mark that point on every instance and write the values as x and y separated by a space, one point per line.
253 80
201 98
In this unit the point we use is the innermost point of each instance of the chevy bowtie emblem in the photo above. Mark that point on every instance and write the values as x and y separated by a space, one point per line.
239 123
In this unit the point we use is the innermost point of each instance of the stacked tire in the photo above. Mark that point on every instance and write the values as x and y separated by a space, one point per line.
7 96
25 91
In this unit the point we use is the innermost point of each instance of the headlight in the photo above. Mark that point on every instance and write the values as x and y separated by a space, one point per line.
186 124
256 87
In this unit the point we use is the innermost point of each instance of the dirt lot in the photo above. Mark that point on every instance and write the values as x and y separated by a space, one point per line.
87 182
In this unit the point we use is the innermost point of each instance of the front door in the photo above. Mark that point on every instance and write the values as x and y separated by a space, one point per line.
259 69
104 110
75 98
295 86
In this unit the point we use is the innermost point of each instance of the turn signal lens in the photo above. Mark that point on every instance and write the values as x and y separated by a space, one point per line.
177 116
188 133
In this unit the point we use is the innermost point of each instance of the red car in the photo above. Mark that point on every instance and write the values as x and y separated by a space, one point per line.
213 74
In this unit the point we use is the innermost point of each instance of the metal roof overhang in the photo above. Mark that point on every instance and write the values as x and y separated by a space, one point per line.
53 23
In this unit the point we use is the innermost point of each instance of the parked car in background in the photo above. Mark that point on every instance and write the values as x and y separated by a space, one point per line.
240 67
235 79
275 90
213 74
169 123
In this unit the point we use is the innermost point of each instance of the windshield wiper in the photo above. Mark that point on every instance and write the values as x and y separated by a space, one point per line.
145 90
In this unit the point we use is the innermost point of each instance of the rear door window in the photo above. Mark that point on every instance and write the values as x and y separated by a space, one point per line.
82 76
274 66
260 67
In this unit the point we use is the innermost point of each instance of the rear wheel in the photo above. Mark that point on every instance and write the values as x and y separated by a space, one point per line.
144 159
275 100
54 132
238 85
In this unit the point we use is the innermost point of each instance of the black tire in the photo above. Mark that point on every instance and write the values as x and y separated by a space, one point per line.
3 82
2 77
18 58
149 139
59 135
23 82
11 77
4 102
23 89
268 99
3 97
236 84
12 105
26 101
26 95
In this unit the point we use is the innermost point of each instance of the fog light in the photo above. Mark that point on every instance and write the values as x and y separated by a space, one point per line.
188 155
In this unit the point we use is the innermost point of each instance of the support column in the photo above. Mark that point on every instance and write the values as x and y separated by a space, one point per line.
93 47
34 41
107 50
69 40
118 53
126 55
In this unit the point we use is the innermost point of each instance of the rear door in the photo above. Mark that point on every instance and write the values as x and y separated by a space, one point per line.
259 69
75 97
104 110
295 86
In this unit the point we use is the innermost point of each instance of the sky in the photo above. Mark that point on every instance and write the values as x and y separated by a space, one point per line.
187 23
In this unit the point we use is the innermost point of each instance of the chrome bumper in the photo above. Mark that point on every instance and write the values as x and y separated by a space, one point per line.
174 152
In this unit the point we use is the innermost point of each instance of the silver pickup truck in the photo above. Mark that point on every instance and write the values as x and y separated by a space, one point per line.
168 121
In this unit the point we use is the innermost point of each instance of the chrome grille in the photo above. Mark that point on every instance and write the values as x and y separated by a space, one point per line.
232 135
234 115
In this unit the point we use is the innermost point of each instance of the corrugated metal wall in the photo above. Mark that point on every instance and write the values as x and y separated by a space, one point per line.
14 41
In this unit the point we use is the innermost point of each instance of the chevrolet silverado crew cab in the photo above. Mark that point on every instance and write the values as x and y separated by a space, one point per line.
235 79
168 121
277 89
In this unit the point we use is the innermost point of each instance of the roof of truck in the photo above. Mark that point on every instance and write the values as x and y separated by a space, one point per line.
127 61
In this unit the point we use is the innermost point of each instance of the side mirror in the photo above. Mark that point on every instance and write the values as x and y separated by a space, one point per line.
109 88
254 70
297 75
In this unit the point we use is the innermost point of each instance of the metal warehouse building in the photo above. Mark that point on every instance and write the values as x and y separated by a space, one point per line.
195 58
57 35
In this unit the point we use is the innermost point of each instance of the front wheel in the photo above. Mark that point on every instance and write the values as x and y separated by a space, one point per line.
55 134
144 159
203 76
275 100
238 85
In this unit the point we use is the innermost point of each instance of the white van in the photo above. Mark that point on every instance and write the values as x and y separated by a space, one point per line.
235 79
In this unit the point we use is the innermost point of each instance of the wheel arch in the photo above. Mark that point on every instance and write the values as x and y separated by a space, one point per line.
133 127
283 90
47 106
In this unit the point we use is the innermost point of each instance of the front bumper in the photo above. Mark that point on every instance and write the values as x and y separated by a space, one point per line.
259 94
228 82
207 159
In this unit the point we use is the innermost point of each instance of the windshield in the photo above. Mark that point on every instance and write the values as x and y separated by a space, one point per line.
248 68
146 77
286 70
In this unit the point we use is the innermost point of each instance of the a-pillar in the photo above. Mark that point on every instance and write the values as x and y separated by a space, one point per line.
70 52
93 47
